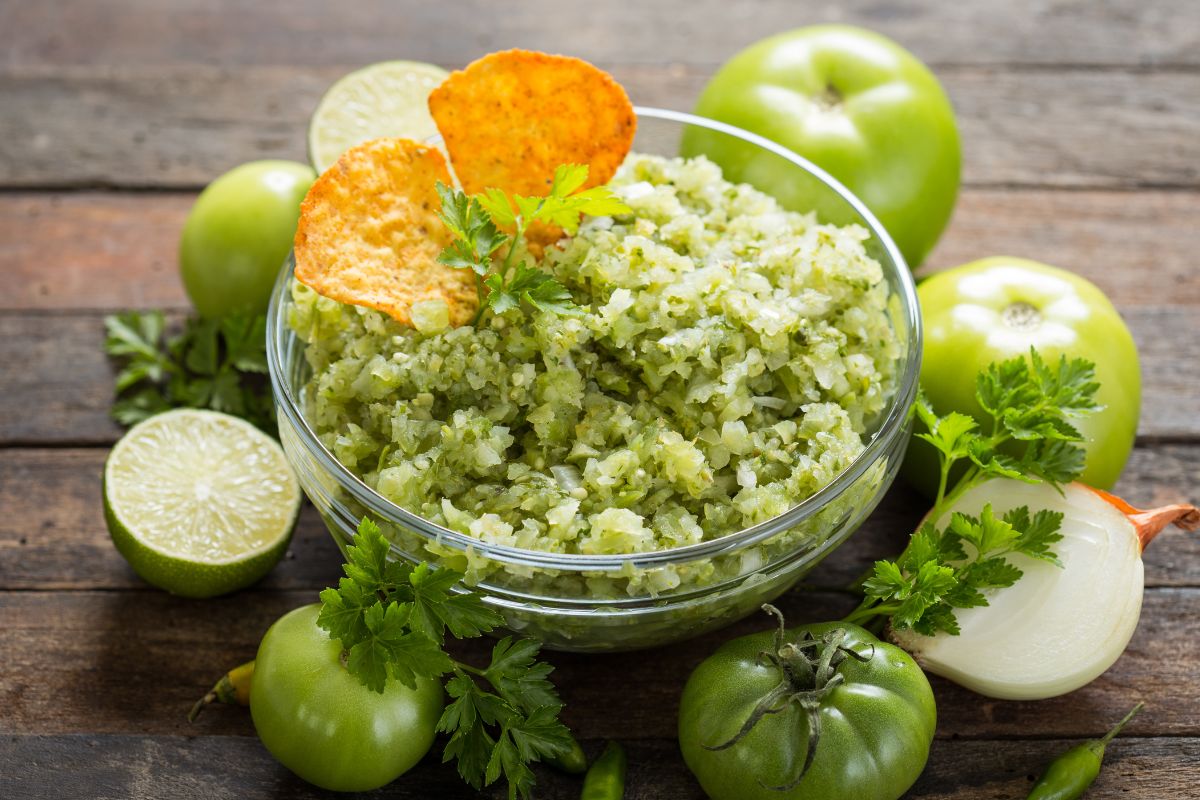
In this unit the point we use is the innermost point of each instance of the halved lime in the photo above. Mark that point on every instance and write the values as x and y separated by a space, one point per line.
199 503
384 99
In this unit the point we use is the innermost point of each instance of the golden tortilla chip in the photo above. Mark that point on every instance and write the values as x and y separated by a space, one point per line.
511 118
369 233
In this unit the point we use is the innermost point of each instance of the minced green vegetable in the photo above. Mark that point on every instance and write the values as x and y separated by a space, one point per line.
728 360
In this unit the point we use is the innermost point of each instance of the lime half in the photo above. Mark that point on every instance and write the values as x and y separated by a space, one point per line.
385 99
199 503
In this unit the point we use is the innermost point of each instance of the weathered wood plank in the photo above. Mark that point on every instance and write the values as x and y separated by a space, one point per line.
53 535
99 251
178 127
703 32
92 250
1138 247
133 662
57 381
138 767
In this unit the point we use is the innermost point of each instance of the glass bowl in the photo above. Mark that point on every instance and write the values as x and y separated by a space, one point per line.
627 602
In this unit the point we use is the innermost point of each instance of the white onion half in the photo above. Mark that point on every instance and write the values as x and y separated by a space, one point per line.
1056 629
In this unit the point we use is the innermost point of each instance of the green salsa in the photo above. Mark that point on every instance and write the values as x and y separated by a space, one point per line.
729 361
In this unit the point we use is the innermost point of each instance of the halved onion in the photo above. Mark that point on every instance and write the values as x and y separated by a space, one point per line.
1057 628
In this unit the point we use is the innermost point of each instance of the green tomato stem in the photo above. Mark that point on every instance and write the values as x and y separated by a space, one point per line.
809 671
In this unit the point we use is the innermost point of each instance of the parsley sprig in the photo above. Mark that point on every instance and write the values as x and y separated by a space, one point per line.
477 224
217 364
1030 407
392 619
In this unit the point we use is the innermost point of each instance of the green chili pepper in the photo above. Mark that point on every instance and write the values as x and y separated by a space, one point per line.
233 687
606 779
1069 775
573 762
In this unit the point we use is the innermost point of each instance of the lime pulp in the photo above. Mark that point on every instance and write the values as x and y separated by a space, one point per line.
385 99
200 503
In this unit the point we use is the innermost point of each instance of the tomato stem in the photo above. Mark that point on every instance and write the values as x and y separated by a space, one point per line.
808 669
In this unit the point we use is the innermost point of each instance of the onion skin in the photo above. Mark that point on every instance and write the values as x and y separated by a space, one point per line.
1148 523
1056 629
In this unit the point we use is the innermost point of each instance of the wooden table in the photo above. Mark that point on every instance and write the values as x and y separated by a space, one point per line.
1081 132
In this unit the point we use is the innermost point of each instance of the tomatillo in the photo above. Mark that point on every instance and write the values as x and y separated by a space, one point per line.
238 234
997 308
322 723
856 104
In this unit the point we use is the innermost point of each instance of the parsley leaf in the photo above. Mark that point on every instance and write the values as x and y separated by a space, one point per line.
391 619
436 608
1037 534
1028 435
1031 406
951 434
537 288
475 222
942 570
564 205
476 237
343 610
216 364
528 729
521 679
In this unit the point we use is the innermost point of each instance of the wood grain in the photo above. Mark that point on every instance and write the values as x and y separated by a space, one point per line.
90 250
57 381
178 127
1138 247
138 767
133 662
702 32
53 535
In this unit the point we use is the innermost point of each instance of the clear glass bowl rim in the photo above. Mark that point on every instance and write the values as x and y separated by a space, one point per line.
893 423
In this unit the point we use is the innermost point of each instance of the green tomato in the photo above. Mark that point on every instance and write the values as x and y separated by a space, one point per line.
856 104
238 234
325 725
997 308
876 720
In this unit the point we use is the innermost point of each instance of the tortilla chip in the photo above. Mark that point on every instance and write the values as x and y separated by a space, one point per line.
511 118
369 233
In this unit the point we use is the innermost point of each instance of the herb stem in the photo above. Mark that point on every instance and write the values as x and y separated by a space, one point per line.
480 293
512 248
945 477
967 481
870 608
469 669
